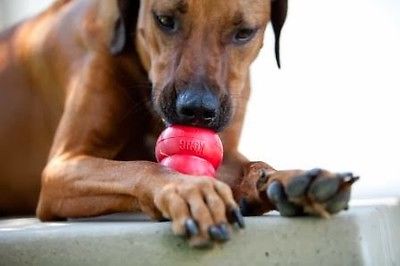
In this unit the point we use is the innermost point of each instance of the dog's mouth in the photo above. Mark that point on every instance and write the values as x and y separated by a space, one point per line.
194 107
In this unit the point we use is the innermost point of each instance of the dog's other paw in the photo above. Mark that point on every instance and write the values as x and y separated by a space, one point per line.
316 192
293 193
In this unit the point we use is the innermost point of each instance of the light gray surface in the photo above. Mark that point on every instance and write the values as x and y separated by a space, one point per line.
365 235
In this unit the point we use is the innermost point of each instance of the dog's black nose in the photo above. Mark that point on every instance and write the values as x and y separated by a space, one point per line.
197 107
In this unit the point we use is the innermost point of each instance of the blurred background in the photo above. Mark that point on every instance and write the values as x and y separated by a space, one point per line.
334 104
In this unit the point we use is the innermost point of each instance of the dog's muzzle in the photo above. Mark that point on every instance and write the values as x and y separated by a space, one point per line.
196 106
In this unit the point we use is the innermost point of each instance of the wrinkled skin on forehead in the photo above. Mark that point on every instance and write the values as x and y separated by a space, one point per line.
202 48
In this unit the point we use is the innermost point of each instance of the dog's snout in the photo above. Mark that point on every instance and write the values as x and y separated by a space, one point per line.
200 106
197 107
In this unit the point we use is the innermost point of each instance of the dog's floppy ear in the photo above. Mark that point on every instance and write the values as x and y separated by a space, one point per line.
124 26
278 17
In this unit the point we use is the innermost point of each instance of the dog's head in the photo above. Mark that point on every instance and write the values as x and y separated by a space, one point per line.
197 52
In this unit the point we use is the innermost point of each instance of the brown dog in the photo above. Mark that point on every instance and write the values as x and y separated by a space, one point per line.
87 86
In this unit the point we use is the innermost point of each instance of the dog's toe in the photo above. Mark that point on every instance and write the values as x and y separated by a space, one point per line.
276 192
298 187
192 229
324 188
338 202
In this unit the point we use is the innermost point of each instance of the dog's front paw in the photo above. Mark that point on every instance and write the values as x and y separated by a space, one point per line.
316 192
201 208
292 193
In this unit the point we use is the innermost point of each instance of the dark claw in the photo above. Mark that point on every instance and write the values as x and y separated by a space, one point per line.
275 192
238 217
338 202
348 177
245 208
289 209
314 172
224 228
225 231
298 186
216 233
325 188
191 228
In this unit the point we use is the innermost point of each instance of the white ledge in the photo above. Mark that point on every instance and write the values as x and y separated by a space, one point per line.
367 234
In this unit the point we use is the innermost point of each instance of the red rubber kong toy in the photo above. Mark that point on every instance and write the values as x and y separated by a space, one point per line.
190 150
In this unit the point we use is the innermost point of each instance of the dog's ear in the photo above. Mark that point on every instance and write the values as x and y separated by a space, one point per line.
124 26
278 17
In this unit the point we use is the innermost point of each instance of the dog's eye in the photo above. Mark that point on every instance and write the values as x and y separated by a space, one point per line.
244 35
167 23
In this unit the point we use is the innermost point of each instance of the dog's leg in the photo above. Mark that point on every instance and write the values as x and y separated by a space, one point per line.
81 178
84 186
